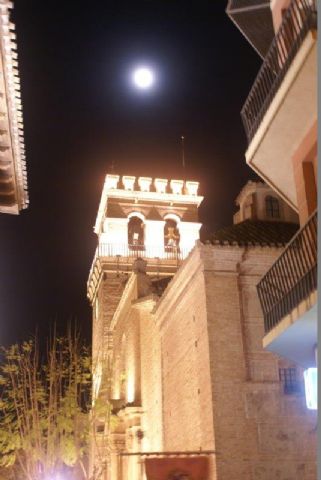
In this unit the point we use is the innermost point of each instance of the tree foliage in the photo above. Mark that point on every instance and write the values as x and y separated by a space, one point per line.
46 414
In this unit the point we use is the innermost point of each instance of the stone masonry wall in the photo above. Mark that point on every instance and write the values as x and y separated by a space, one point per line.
151 381
260 433
108 296
193 365
181 316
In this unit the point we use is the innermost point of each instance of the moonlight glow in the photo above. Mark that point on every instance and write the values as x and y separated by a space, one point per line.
143 77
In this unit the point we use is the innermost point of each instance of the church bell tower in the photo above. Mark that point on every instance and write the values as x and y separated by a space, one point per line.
156 220
143 224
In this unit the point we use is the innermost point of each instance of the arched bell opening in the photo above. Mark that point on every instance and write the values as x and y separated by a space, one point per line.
171 236
136 233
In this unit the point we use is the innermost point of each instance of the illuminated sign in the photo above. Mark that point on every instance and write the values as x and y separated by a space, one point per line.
311 388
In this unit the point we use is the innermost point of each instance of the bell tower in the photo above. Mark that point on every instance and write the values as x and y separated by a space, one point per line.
156 220
153 220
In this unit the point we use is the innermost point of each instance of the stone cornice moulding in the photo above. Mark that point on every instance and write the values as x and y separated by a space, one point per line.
137 195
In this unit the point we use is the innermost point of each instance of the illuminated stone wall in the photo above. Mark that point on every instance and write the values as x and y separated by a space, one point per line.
182 319
151 381
213 320
188 370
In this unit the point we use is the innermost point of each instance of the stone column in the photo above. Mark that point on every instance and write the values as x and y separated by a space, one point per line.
114 239
117 446
154 238
189 234
132 421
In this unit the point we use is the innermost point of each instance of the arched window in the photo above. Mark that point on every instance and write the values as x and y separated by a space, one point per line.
171 236
135 233
272 207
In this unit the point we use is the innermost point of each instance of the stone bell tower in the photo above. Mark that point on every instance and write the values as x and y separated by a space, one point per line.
155 220
141 218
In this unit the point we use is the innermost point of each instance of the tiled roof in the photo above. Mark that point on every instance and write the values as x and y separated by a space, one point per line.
255 232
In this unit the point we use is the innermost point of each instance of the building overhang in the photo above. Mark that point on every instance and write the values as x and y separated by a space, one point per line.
291 115
295 337
254 20
288 297
13 176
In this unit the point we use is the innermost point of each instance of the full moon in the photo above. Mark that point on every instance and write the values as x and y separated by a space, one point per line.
143 77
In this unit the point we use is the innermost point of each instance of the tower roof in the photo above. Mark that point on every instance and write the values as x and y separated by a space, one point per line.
255 232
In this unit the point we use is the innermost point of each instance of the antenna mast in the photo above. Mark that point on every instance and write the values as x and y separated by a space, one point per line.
183 152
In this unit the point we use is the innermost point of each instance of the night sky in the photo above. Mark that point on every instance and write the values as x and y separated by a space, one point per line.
81 114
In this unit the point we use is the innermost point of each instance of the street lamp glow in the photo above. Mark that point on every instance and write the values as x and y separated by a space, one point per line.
143 77
311 388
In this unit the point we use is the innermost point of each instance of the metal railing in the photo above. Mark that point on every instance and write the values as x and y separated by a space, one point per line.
125 253
298 20
292 278
141 251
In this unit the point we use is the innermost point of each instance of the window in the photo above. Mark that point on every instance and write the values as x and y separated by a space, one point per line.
100 428
272 207
289 378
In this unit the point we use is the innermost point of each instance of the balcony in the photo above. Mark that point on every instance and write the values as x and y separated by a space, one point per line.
254 20
282 104
117 258
288 298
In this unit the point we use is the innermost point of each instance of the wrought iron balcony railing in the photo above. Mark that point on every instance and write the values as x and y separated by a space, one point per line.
143 251
298 20
292 278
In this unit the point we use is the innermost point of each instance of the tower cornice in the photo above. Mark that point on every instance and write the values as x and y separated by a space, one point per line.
165 192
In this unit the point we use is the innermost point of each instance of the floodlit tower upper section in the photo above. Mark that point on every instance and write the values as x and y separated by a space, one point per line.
153 219
13 177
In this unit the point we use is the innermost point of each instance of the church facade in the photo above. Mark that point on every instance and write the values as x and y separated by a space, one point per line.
177 340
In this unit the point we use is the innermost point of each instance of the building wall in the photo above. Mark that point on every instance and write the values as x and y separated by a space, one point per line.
277 6
151 382
221 390
108 296
182 319
252 205
201 379
305 174
287 214
126 348
260 433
